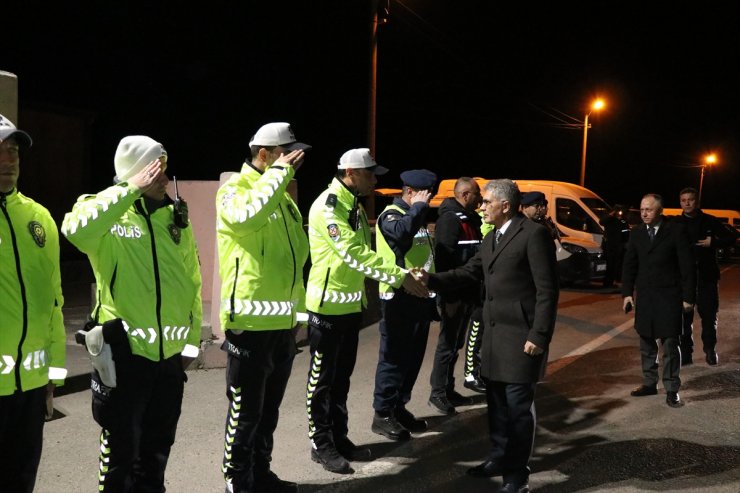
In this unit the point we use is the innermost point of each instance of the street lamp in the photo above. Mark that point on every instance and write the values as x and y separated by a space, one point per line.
709 160
595 106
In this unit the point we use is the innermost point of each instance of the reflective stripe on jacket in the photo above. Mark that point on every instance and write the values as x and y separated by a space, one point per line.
146 269
341 256
32 336
262 248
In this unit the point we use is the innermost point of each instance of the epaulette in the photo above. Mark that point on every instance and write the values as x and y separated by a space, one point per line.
331 200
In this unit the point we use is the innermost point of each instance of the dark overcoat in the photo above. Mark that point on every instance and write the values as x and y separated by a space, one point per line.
660 275
521 283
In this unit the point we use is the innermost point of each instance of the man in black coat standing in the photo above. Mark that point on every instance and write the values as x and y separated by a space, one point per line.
518 267
457 239
659 270
706 234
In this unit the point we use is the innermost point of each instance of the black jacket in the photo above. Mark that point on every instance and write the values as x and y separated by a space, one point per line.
699 227
457 239
521 278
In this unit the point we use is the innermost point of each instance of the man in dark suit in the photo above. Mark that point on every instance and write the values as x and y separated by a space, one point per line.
518 267
659 268
706 234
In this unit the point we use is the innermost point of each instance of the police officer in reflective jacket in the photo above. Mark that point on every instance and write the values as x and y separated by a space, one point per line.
403 238
341 259
32 339
148 310
262 248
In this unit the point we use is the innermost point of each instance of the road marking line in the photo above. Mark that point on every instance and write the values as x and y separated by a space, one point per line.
601 340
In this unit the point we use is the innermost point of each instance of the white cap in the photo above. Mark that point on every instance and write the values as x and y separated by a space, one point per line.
8 129
277 134
134 153
360 159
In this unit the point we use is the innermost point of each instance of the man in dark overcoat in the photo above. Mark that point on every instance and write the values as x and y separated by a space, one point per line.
659 279
518 267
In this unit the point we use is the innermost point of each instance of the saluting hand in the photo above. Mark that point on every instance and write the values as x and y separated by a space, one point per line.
148 176
293 158
421 196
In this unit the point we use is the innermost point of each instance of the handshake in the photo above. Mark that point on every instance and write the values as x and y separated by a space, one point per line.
416 282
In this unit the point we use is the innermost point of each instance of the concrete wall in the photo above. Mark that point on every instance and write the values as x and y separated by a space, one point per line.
9 96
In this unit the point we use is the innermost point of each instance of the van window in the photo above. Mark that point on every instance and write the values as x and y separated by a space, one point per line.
597 206
571 215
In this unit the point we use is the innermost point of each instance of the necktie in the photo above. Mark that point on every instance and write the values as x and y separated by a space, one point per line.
651 233
499 234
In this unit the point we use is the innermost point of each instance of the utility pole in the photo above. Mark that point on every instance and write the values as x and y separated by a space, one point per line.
372 100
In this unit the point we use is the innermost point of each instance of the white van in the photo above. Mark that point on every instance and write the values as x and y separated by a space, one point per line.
576 212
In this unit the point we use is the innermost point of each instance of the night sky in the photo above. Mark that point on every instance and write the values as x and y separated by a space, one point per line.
474 88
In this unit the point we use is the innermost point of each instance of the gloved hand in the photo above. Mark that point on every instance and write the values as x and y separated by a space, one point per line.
101 355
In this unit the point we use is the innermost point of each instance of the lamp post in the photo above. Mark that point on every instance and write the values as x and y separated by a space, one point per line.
709 160
596 106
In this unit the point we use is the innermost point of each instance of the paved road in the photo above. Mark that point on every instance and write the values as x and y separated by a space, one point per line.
591 435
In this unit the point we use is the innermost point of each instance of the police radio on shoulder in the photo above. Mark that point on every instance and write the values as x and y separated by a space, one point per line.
180 209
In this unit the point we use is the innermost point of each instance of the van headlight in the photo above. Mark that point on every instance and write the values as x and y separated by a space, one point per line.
570 247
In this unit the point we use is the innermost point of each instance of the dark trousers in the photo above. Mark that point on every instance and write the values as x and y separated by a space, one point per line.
257 370
403 341
671 362
473 343
614 259
511 423
333 340
455 317
139 419
21 435
707 303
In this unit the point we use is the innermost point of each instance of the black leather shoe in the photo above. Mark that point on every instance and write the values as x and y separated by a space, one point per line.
712 358
644 390
441 405
331 460
457 399
475 384
514 488
673 399
270 483
487 469
409 421
389 427
350 451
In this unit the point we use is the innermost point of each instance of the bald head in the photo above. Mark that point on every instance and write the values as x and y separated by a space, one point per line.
467 193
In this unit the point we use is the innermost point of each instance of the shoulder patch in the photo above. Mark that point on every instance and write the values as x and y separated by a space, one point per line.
334 233
331 200
175 233
392 217
38 233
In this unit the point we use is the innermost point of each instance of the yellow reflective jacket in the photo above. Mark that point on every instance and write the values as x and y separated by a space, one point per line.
146 269
32 337
341 256
261 250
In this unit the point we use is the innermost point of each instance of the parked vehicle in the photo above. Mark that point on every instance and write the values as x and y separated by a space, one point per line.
576 212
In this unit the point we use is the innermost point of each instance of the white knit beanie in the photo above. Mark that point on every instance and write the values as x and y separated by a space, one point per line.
133 153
